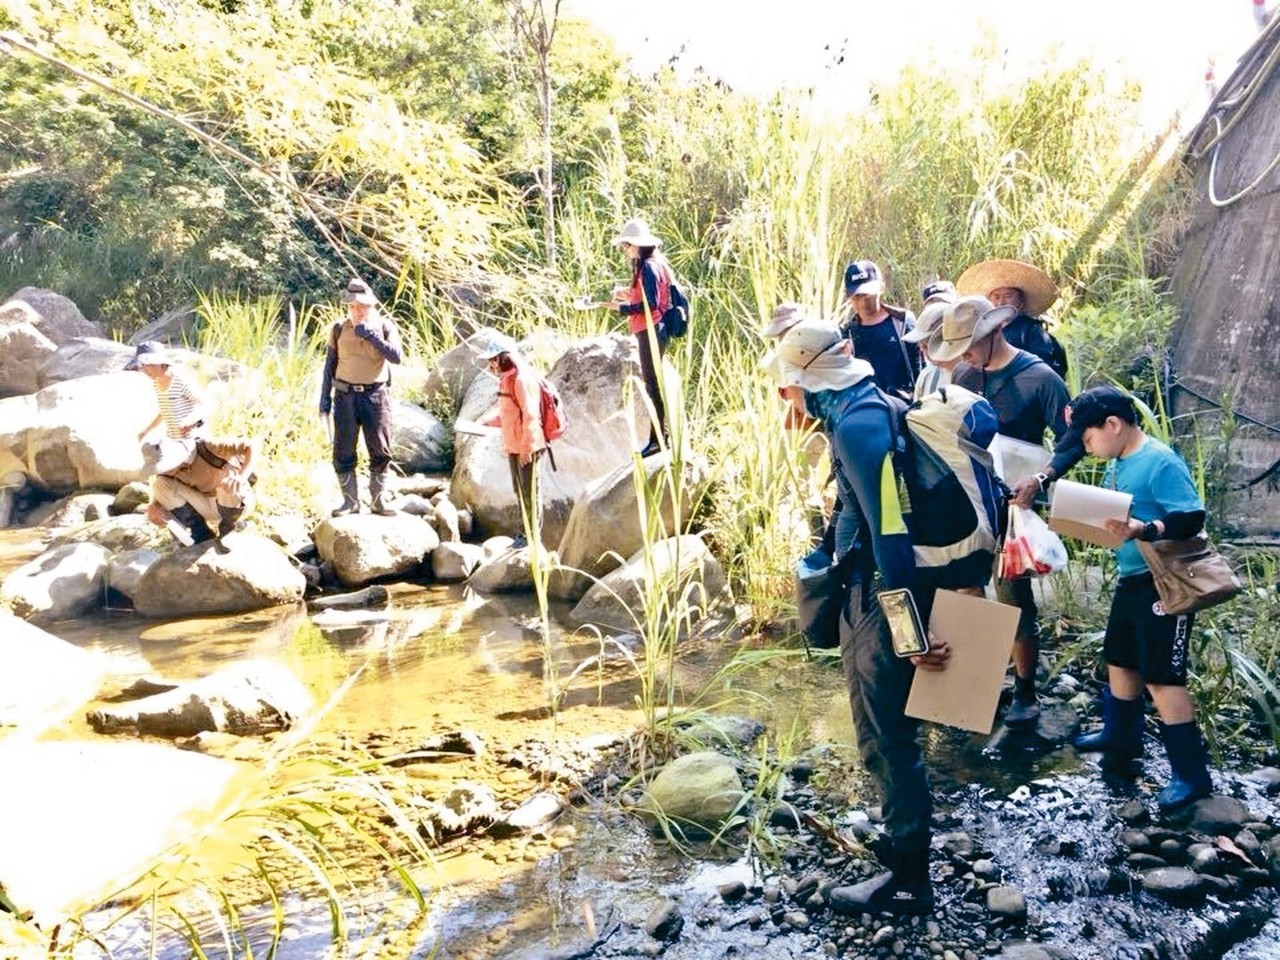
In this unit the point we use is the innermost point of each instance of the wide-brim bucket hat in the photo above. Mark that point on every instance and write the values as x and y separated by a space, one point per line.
785 316
637 233
930 320
358 292
812 355
1038 291
495 345
964 323
149 353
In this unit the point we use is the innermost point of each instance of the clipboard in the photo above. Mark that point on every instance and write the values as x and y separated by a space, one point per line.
966 693
474 428
1079 509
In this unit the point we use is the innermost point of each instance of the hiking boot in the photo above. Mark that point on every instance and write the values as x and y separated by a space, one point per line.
190 518
350 495
1190 781
1023 712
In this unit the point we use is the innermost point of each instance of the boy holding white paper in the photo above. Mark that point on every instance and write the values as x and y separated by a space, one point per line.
1143 645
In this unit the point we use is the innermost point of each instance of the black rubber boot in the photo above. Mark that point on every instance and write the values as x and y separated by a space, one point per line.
1187 760
904 889
190 518
228 517
1024 711
1121 733
350 495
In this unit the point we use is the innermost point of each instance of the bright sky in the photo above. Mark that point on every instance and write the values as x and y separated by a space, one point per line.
759 47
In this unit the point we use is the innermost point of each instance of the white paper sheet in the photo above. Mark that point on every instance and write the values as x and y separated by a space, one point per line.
1081 510
1016 459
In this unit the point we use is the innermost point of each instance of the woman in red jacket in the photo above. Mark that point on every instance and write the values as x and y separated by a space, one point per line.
519 415
643 304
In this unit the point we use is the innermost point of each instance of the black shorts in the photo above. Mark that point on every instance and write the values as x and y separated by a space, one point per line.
1142 637
1019 593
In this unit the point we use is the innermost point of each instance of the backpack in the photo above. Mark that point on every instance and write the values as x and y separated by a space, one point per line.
675 319
1035 338
953 495
551 413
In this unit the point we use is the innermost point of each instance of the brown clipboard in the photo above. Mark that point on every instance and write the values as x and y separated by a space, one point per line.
966 693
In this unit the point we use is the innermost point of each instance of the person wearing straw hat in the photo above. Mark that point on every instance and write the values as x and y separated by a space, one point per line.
643 303
356 388
1029 399
820 378
519 416
877 330
1028 289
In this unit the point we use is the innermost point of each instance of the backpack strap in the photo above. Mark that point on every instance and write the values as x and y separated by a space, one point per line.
208 456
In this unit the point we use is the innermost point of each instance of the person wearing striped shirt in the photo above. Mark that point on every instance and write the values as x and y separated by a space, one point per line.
181 407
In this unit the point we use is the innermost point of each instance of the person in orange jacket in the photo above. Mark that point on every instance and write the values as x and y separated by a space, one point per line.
519 416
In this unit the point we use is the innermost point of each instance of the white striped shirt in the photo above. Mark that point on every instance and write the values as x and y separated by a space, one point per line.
180 405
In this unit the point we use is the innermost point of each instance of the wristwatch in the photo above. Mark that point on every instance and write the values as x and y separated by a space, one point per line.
1150 531
1043 479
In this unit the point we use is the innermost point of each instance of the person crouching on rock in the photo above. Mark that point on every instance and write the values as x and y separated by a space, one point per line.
519 415
204 488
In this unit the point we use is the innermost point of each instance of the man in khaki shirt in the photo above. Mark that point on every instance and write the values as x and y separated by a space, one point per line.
204 486
357 378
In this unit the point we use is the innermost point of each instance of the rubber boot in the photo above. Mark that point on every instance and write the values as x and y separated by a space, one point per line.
350 495
904 889
189 517
227 519
1190 781
1121 733
379 501
1024 711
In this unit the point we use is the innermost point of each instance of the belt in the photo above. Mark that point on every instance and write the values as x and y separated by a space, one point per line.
342 386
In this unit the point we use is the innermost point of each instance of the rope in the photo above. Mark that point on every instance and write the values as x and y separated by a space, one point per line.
1236 97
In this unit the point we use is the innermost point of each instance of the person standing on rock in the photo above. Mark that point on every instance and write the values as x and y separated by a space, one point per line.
643 303
1143 645
519 416
356 388
822 380
182 410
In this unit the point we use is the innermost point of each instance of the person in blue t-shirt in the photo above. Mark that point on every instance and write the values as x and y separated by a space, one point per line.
1143 645
876 331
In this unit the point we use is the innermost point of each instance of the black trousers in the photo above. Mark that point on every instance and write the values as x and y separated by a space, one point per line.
524 480
650 368
369 413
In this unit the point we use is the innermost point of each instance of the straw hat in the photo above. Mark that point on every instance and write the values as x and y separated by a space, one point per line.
1038 291
637 233
811 355
964 323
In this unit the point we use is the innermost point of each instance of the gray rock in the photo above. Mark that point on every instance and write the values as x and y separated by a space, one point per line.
454 562
467 807
419 442
117 534
1020 950
252 574
445 520
1218 815
699 788
23 350
248 698
537 811
179 325
1174 884
506 573
1132 812
72 511
1269 778
664 922
130 497
43 678
83 357
57 316
365 547
376 596
126 570
1008 903
61 583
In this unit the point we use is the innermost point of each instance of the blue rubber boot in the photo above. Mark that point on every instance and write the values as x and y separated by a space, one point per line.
1190 781
1121 733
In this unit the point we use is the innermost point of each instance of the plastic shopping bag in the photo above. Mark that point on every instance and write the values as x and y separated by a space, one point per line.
1030 548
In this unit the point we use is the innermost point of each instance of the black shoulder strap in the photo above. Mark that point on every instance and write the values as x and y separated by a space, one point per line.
208 456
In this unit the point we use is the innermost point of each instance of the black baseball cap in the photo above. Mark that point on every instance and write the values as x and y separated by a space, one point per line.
862 276
1092 407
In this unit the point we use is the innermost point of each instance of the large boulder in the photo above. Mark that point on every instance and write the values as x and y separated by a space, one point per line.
23 349
126 570
127 532
450 379
248 698
56 316
71 511
252 573
605 525
365 547
600 437
79 434
179 325
43 678
83 357
419 442
682 568
59 584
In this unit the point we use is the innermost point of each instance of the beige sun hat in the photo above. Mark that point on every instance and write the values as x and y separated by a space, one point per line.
785 316
1038 291
637 233
964 323
930 319
358 292
812 355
